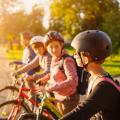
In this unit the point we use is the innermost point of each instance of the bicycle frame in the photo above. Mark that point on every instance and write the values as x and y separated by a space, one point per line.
20 97
46 102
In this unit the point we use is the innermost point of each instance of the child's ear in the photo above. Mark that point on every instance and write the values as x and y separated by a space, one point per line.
87 56
86 59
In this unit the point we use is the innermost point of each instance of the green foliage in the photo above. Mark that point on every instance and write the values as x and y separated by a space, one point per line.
35 20
12 23
112 64
14 54
112 26
67 16
63 16
73 16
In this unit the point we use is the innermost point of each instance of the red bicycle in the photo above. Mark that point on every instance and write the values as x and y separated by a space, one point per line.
45 108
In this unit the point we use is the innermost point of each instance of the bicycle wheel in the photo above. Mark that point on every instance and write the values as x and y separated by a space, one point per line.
7 107
32 116
11 92
53 116
9 87
46 114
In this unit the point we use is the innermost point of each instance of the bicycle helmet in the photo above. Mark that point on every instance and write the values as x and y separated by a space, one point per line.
53 36
37 39
97 43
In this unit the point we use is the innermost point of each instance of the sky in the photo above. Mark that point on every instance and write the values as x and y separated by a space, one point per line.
29 3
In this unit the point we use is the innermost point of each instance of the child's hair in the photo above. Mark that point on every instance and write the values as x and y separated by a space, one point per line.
88 55
53 36
26 35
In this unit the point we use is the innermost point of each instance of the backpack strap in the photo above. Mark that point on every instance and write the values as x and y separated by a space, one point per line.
60 64
107 80
111 82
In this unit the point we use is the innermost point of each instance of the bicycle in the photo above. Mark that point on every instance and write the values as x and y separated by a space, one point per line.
45 106
47 110
15 81
12 88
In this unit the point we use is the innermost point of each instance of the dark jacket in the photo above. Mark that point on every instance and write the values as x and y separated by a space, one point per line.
104 98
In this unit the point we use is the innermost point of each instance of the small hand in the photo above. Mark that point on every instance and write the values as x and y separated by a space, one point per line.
10 63
29 78
13 74
40 89
40 82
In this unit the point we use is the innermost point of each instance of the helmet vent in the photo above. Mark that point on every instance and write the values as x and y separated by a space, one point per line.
96 58
107 47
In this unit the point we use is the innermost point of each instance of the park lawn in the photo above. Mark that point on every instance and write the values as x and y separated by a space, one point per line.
14 54
111 65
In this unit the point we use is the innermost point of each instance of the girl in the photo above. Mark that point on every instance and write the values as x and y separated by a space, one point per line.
62 83
43 59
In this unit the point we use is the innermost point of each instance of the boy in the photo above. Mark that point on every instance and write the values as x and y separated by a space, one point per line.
92 47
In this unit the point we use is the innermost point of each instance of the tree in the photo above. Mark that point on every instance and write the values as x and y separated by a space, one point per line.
73 16
14 22
35 20
65 17
112 26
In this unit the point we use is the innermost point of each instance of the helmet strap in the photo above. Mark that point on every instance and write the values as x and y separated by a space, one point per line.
82 61
84 65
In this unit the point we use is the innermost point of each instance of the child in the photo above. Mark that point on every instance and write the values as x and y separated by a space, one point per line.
92 47
43 59
28 53
62 83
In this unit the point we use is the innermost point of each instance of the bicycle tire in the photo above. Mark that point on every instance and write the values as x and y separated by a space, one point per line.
9 87
4 114
53 115
32 116
11 91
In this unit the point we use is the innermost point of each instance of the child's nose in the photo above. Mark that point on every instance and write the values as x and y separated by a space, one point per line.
53 49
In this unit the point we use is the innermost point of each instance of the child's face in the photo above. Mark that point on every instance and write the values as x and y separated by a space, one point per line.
78 59
55 48
24 42
81 59
39 49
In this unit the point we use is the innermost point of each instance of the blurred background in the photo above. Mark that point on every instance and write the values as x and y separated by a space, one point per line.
66 16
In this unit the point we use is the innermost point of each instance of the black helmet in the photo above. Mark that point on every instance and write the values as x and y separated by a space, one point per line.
51 36
97 43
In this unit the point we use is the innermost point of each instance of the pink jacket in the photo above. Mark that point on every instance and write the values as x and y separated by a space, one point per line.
63 84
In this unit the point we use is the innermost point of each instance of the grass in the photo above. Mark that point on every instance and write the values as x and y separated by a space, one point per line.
14 54
111 65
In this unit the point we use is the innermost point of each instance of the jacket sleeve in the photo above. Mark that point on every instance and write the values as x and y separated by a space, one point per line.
71 76
46 68
17 62
99 99
33 64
